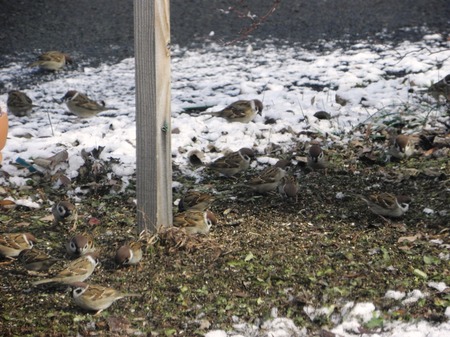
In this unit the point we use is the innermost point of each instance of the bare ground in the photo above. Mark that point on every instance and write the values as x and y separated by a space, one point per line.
265 252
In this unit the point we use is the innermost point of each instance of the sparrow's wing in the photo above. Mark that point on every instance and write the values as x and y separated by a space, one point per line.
77 267
229 161
238 109
19 99
11 241
51 56
86 103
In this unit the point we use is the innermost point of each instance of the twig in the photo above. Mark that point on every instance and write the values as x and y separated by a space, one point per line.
50 121
243 34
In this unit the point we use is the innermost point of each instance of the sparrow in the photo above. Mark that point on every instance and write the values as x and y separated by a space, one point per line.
240 111
129 254
82 106
233 163
36 260
268 180
80 244
403 147
95 297
316 158
51 60
195 222
386 204
195 200
441 87
76 271
288 187
19 104
61 211
11 245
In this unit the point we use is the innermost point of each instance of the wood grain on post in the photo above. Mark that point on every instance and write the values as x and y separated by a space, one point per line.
153 149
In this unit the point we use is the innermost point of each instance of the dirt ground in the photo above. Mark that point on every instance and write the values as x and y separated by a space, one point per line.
320 250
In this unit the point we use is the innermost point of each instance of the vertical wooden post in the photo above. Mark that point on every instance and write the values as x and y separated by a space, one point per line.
153 152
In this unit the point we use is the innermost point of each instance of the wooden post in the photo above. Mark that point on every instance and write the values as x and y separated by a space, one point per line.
153 152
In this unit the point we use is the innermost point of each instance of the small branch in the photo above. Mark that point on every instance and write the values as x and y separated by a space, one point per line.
243 34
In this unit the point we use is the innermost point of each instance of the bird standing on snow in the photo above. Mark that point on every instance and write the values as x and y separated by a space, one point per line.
82 106
240 111
19 104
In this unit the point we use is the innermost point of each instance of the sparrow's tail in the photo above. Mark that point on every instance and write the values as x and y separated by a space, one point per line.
36 283
33 64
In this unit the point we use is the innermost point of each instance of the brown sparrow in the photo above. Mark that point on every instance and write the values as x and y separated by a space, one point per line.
403 147
36 260
129 254
61 211
95 297
82 106
288 187
441 87
19 104
76 271
80 244
316 158
240 111
195 200
195 221
386 204
51 60
233 163
11 245
268 180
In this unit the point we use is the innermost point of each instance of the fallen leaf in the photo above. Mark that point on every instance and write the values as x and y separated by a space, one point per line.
94 221
409 238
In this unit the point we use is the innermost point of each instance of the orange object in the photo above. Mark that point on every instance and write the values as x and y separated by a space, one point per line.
3 131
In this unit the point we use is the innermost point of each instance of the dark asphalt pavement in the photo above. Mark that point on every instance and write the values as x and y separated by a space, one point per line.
98 30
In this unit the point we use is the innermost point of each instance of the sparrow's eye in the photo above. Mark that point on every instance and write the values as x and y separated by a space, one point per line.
72 246
86 246
78 291
126 261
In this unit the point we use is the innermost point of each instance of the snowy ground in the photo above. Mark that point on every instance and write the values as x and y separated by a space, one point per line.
293 84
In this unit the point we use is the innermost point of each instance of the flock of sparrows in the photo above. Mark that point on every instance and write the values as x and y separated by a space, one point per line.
195 217
88 296
193 214
79 104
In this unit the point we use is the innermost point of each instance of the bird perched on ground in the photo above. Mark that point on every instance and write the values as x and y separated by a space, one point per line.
82 106
386 204
195 200
51 60
233 163
76 271
268 180
80 244
403 147
195 222
19 104
316 158
441 88
240 111
61 211
288 187
95 297
129 254
36 260
11 245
